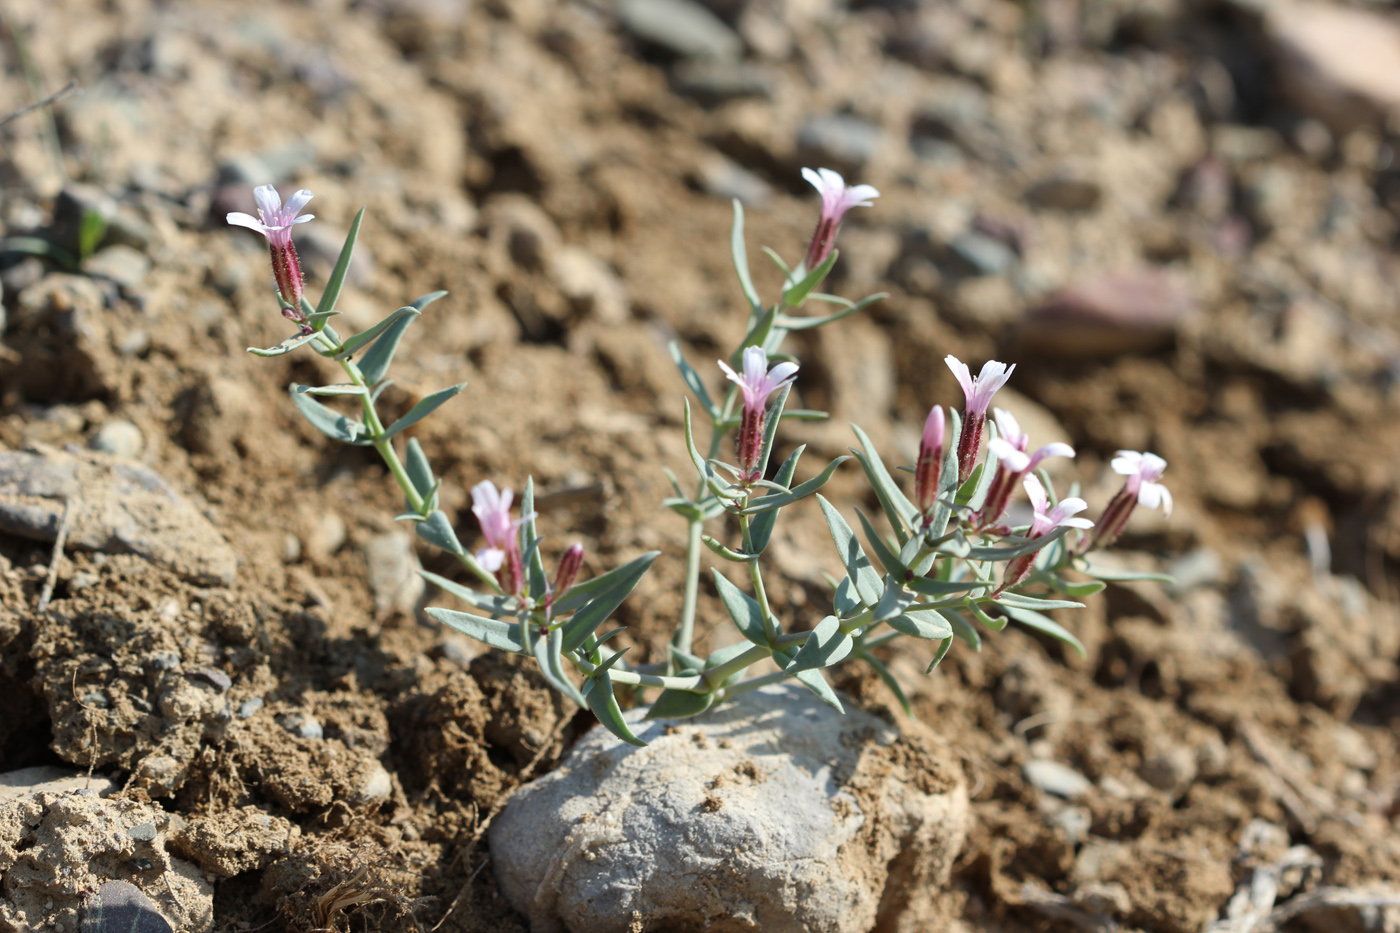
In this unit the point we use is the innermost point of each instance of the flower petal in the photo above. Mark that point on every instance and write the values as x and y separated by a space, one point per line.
961 373
269 201
240 219
297 201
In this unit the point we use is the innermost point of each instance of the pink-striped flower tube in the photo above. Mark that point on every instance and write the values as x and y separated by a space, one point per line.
275 221
979 394
564 577
1142 470
1013 463
930 463
837 199
1045 521
501 555
756 384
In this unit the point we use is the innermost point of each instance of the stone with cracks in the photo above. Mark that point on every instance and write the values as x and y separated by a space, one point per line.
773 812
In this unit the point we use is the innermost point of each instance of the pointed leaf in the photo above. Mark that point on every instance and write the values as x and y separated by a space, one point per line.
352 345
773 418
882 550
1080 590
598 691
845 601
680 704
862 573
794 296
963 629
503 635
328 421
1021 601
495 603
286 346
341 388
437 530
530 543
420 472
1112 575
802 490
723 656
922 623
342 265
993 623
1025 546
947 478
815 681
693 380
1046 626
942 653
892 601
738 557
739 251
423 409
825 646
778 261
625 577
900 512
931 587
377 359
427 299
789 322
706 472
761 528
743 609
548 654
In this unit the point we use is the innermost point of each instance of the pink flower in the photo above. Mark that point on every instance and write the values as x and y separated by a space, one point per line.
1012 464
502 551
837 199
1045 521
756 384
930 462
275 221
1142 470
979 394
569 566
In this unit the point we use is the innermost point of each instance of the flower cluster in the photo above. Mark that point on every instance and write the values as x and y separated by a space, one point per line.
931 572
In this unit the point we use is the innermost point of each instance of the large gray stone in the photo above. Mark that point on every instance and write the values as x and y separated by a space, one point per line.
773 812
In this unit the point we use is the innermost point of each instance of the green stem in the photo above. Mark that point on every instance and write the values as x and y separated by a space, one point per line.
685 635
754 683
760 594
692 682
717 675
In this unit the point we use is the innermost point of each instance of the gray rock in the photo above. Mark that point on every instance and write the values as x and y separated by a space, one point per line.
120 905
123 265
986 256
681 27
117 508
724 179
393 573
773 812
120 438
1123 312
713 82
1337 63
843 140
21 275
51 779
1065 193
1056 778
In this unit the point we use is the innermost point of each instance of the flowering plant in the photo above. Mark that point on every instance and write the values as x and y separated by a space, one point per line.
930 573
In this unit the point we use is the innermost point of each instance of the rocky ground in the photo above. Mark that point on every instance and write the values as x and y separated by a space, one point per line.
1176 217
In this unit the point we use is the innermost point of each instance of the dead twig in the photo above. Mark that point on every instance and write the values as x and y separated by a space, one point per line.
1299 796
67 91
1328 897
1069 910
52 578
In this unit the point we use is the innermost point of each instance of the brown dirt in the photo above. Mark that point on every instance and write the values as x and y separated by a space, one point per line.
489 140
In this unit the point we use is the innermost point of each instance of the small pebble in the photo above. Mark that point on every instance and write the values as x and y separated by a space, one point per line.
1056 778
249 707
118 437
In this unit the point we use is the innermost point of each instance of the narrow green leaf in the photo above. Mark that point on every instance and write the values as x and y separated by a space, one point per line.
680 704
378 358
947 478
342 265
328 421
316 319
963 629
993 623
862 572
743 609
598 691
773 418
341 388
892 601
286 346
420 472
845 601
530 543
804 414
942 587
1046 626
693 380
815 681
728 553
92 229
984 479
726 654
604 594
756 336
437 530
900 512
1021 601
496 604
883 554
926 624
352 345
706 472
427 299
789 322
794 296
548 654
767 504
1112 575
942 653
739 250
884 674
683 662
38 246
761 528
503 635
423 409
1080 590
1026 546
778 261
825 646
624 578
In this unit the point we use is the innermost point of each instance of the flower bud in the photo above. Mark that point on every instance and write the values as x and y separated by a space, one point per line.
930 462
569 566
